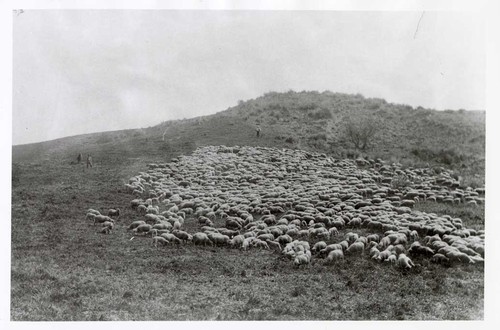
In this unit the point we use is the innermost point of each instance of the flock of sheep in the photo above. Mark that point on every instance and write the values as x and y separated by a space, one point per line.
288 200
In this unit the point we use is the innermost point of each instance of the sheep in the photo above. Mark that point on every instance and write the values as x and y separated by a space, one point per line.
182 235
142 209
177 225
105 230
335 255
114 212
301 259
355 248
144 228
219 239
331 247
171 238
414 235
92 211
136 224
260 244
333 231
351 237
284 239
456 255
417 248
373 238
440 258
319 246
392 259
201 238
162 225
102 218
374 252
384 254
108 224
266 237
160 240
404 262
274 245
237 241
344 245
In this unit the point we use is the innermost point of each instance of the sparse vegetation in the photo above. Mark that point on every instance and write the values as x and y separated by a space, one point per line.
62 270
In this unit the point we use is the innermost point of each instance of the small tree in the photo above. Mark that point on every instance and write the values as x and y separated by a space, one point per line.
361 132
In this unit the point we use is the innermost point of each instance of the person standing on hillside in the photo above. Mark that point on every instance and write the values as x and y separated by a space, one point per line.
79 158
258 131
89 161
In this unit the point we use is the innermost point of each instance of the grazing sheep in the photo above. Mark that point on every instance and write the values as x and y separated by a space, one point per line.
142 209
373 238
182 235
333 231
105 230
274 245
355 248
440 259
177 225
335 255
319 246
201 238
301 259
171 238
136 224
351 237
102 218
159 240
417 248
92 211
385 254
392 258
108 224
404 262
284 239
218 239
344 245
144 228
237 241
260 244
114 212
374 252
162 225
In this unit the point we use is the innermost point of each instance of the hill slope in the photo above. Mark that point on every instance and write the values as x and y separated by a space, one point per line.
305 120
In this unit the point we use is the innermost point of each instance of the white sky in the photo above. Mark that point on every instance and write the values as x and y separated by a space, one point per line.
82 71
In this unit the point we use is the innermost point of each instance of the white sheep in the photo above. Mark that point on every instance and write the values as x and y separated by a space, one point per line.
335 255
404 262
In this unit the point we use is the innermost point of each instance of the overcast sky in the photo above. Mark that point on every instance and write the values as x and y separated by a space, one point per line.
84 71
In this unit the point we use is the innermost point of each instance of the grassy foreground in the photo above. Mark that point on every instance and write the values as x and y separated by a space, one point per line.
62 269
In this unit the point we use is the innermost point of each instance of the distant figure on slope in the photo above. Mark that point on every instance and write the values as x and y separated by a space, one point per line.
258 131
89 161
79 158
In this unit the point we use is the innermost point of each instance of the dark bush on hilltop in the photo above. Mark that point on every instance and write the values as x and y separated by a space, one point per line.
444 156
361 132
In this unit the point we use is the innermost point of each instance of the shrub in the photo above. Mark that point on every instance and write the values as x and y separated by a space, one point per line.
361 132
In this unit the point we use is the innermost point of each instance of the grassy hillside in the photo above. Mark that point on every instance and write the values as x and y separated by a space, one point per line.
305 120
62 269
